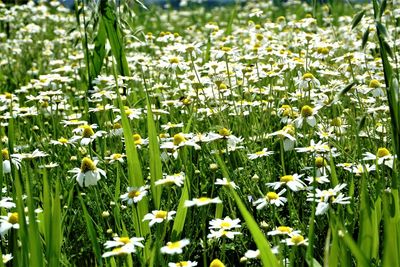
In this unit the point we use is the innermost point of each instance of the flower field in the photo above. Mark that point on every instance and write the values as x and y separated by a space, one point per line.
251 134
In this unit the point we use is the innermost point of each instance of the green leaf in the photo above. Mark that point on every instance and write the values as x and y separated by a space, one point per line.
35 244
357 18
382 8
343 92
99 51
114 36
382 30
22 231
135 175
365 38
313 262
391 231
368 239
354 249
387 48
267 257
181 212
56 229
91 232
155 158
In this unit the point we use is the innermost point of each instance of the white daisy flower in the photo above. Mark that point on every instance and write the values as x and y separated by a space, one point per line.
227 223
202 201
259 154
291 181
6 202
382 156
177 179
271 198
158 216
182 264
283 230
225 182
8 222
6 257
88 174
222 233
135 194
296 240
175 247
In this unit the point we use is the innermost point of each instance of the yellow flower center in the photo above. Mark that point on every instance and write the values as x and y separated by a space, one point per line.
137 139
124 240
87 165
226 48
272 195
116 156
163 135
280 19
117 126
222 86
63 140
382 152
286 110
4 153
174 60
182 264
179 138
186 101
287 178
284 229
374 84
203 199
259 153
296 239
118 251
174 245
289 129
323 50
308 76
306 111
13 219
336 122
8 95
225 224
133 194
320 162
217 263
161 214
224 132
87 131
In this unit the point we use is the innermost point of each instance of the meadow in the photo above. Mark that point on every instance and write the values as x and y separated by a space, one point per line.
252 134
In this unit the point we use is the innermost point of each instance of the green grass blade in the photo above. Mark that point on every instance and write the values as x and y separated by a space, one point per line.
135 175
91 232
391 231
99 51
355 250
35 245
47 216
23 260
368 236
155 159
181 212
267 257
114 36
56 229
357 18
